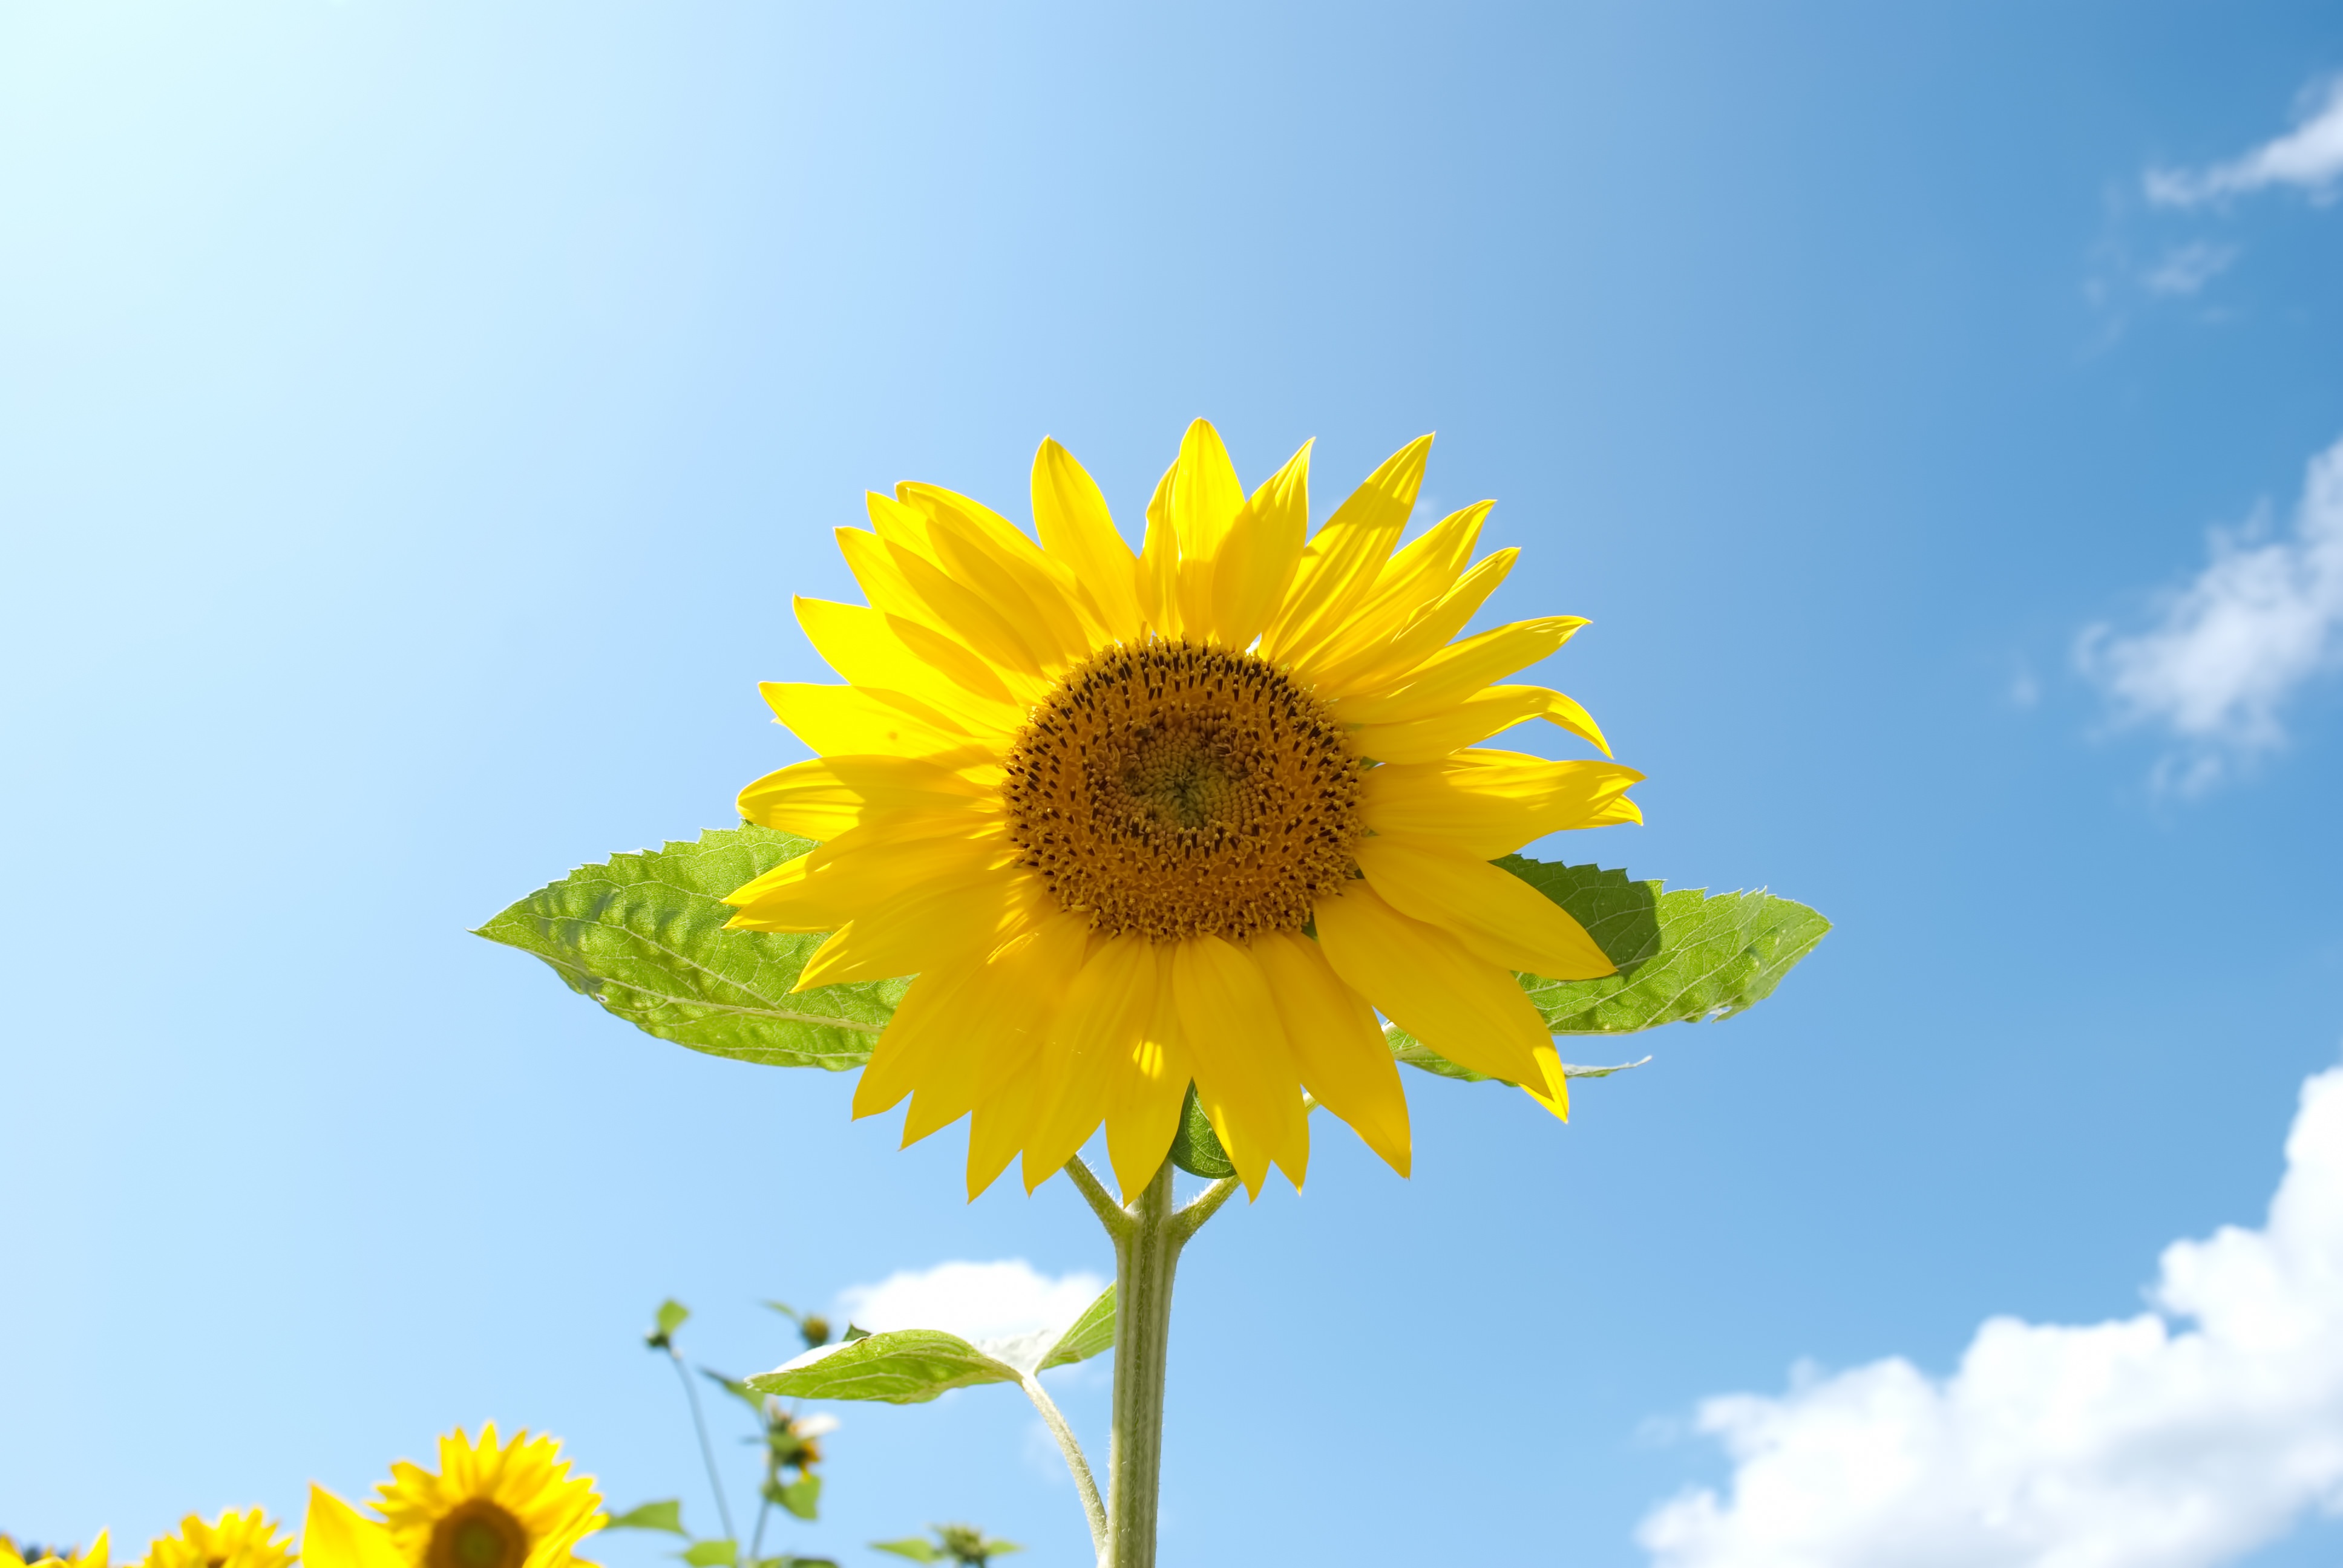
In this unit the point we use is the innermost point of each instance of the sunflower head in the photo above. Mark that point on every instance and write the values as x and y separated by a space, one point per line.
30 1555
246 1540
491 1504
1193 815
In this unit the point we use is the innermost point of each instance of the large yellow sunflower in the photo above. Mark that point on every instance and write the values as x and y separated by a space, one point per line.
1193 815
246 1540
492 1505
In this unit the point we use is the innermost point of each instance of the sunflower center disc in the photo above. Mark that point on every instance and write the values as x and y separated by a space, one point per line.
478 1534
1171 789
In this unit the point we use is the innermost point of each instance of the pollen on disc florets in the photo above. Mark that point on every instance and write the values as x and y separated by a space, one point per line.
1170 789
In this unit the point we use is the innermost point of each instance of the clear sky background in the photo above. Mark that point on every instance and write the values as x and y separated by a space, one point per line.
414 417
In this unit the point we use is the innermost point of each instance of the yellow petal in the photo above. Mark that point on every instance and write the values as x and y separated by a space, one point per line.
1470 1010
1410 583
870 648
1158 581
1077 528
1008 1009
1553 1091
1257 556
1343 1057
1479 716
1491 803
1033 567
1458 670
926 1021
862 721
930 926
337 1536
1022 585
1385 664
1091 1050
826 795
829 886
997 628
1245 1077
1141 1123
1493 912
1203 503
1340 565
998 1127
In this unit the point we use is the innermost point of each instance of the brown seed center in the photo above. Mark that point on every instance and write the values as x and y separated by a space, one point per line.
478 1534
1171 789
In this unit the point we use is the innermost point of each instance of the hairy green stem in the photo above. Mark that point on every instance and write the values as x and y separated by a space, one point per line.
1146 1252
1093 1510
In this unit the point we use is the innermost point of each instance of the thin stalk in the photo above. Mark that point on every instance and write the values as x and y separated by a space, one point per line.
1093 1510
707 1453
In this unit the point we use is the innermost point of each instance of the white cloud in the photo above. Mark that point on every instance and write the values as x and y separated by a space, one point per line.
2233 645
2310 157
2131 1443
975 1301
2187 268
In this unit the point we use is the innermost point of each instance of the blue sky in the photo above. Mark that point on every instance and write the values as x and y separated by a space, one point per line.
414 418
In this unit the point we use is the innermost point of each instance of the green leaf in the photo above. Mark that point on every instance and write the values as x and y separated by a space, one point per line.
800 1495
907 1366
666 1514
912 1366
1683 957
1000 1548
644 936
1088 1335
737 1389
1195 1147
672 1315
709 1554
911 1546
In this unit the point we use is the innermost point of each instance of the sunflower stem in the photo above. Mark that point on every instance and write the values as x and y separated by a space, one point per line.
1146 1252
1110 1213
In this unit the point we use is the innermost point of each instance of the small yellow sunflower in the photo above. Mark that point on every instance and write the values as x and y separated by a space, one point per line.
1193 815
246 1540
492 1505
14 1556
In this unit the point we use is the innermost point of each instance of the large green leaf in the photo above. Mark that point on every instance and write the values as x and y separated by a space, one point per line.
644 936
912 1366
1683 957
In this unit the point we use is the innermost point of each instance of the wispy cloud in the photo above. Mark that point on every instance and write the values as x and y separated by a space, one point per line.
2230 649
2185 269
975 1301
2132 1442
2309 157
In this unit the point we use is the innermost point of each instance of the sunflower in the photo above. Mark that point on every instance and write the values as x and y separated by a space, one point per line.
248 1540
14 1556
1191 816
492 1505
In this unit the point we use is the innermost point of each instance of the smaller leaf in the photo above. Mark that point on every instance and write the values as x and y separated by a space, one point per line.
665 1515
671 1316
737 1389
799 1496
1086 1336
1195 1147
853 1332
709 1554
906 1366
911 1546
1000 1548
